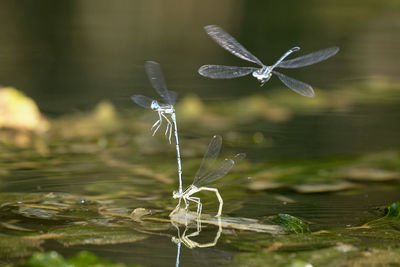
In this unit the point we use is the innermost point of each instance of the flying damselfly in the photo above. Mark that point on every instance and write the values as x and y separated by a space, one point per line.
264 73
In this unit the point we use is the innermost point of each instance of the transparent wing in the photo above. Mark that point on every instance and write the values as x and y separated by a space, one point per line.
156 77
237 181
297 86
225 40
309 59
217 173
209 158
142 100
224 72
220 171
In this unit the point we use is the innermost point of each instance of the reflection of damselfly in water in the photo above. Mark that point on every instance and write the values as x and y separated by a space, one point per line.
264 73
185 238
189 243
156 78
204 176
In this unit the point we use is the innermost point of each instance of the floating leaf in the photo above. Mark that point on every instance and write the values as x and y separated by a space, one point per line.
371 174
182 217
19 198
323 188
138 213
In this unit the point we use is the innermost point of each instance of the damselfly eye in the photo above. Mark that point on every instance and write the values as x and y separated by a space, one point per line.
154 105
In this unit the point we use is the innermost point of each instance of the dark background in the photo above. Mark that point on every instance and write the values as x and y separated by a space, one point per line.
69 55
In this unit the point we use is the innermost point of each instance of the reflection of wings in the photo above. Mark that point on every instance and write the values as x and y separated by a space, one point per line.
229 43
297 86
156 77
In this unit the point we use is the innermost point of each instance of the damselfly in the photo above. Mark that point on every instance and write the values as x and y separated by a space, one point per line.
156 77
204 176
264 73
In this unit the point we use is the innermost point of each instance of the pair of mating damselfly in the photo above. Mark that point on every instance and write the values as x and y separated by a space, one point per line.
204 175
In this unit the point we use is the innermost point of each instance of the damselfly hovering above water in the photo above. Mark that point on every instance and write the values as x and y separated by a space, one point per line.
204 176
156 78
264 73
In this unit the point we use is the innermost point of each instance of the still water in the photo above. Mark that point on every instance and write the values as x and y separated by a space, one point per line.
332 161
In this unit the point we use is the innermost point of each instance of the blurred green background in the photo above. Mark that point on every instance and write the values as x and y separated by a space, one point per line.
68 55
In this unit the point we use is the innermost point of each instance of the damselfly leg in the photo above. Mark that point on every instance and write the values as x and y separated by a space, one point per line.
221 202
158 123
169 126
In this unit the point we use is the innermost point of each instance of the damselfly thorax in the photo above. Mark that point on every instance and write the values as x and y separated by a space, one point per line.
165 108
263 75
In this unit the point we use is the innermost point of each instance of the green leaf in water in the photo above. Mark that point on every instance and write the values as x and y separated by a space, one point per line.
291 224
393 211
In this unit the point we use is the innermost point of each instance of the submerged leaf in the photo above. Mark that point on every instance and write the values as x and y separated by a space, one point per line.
393 211
95 235
18 246
291 224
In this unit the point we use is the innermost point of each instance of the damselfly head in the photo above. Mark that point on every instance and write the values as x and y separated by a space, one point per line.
154 105
176 194
262 75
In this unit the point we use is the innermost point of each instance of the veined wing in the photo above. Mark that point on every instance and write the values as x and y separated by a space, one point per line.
237 181
220 171
224 72
309 59
229 43
209 158
142 100
156 77
297 86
